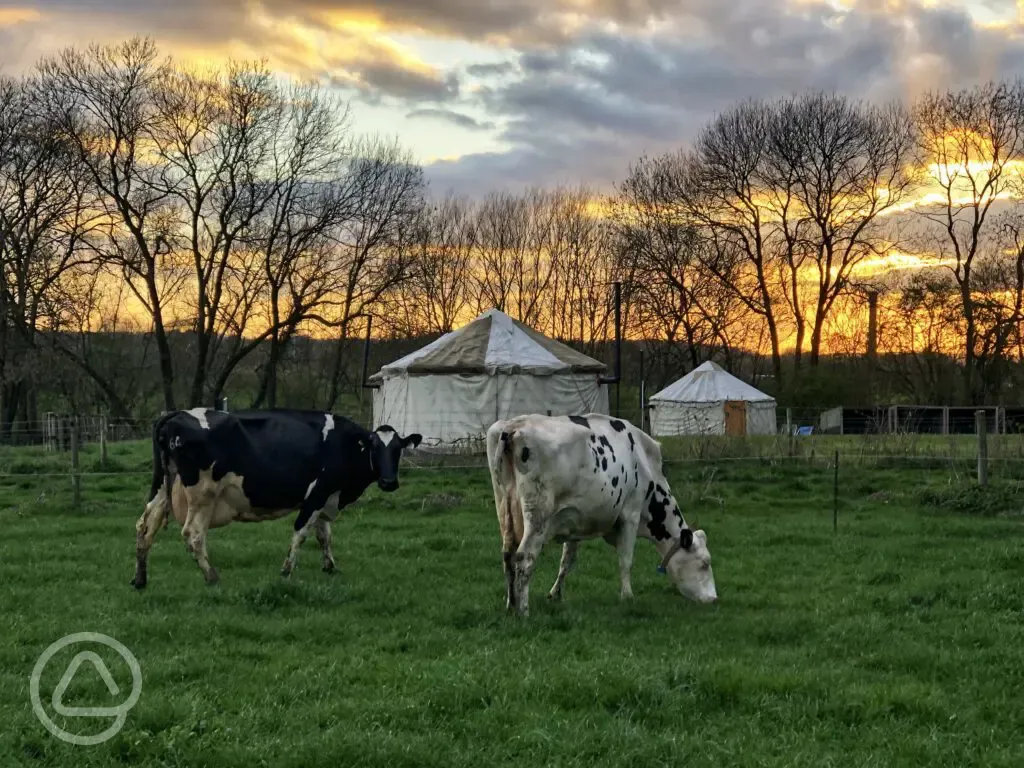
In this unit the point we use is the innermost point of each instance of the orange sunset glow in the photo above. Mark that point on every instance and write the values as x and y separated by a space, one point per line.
249 170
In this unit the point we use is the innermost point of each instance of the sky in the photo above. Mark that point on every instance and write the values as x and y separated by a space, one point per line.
502 94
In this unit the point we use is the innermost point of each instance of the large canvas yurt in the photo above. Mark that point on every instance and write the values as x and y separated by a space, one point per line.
711 401
453 389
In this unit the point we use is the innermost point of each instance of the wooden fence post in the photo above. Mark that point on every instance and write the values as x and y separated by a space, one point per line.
981 427
60 434
76 478
103 441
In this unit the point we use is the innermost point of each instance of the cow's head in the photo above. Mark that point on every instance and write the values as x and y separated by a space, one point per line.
385 452
688 564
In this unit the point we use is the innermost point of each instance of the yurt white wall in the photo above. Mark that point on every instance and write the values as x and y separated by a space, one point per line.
711 401
761 418
670 419
453 408
452 390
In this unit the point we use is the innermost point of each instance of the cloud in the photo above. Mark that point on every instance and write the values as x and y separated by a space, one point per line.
508 22
451 116
574 89
588 108
491 69
357 57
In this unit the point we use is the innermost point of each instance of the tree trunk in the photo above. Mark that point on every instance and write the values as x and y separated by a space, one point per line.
816 334
970 340
199 376
267 392
773 334
13 395
272 363
336 368
163 349
117 405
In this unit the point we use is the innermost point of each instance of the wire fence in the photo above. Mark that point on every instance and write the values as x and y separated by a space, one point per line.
94 455
52 431
85 482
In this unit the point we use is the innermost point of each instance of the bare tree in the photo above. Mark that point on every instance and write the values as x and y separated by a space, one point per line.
921 328
212 137
371 249
44 224
679 299
502 228
102 101
722 186
836 167
514 264
437 293
305 192
969 140
999 303
583 267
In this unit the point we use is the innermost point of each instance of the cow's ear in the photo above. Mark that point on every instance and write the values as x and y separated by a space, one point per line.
412 440
686 538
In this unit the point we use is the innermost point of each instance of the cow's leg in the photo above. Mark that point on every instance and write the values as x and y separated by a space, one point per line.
195 541
569 550
508 565
507 506
153 518
323 535
625 542
525 561
304 524
186 527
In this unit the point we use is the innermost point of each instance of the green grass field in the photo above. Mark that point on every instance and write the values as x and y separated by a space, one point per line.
896 641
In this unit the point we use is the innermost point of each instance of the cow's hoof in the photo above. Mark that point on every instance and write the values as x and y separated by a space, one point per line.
286 572
555 597
330 569
138 583
212 578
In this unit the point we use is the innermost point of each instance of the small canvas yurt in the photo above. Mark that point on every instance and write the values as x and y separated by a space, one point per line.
453 389
711 401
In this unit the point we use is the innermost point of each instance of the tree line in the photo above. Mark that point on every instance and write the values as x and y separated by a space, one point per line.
170 235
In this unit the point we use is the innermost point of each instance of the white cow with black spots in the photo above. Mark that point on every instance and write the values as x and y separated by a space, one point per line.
582 477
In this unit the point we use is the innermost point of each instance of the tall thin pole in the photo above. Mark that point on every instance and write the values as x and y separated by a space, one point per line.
835 495
981 427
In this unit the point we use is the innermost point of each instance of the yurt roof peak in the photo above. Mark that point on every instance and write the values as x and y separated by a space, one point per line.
710 383
493 343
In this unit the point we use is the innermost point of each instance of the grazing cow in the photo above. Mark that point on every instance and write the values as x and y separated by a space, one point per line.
211 468
580 477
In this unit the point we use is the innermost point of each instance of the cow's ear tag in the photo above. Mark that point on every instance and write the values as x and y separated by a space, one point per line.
660 568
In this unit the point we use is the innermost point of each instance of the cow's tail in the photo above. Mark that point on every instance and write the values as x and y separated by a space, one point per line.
503 476
163 474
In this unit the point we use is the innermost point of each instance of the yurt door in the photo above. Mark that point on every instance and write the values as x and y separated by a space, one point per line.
735 417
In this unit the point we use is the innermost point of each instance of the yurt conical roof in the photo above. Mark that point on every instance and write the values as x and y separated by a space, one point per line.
710 383
493 343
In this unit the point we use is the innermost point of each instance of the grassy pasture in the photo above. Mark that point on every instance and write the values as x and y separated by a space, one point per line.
897 641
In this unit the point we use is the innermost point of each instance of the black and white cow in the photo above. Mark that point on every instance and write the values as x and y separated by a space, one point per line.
571 478
211 468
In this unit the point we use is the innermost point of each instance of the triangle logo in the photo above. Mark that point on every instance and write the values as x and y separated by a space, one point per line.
69 674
